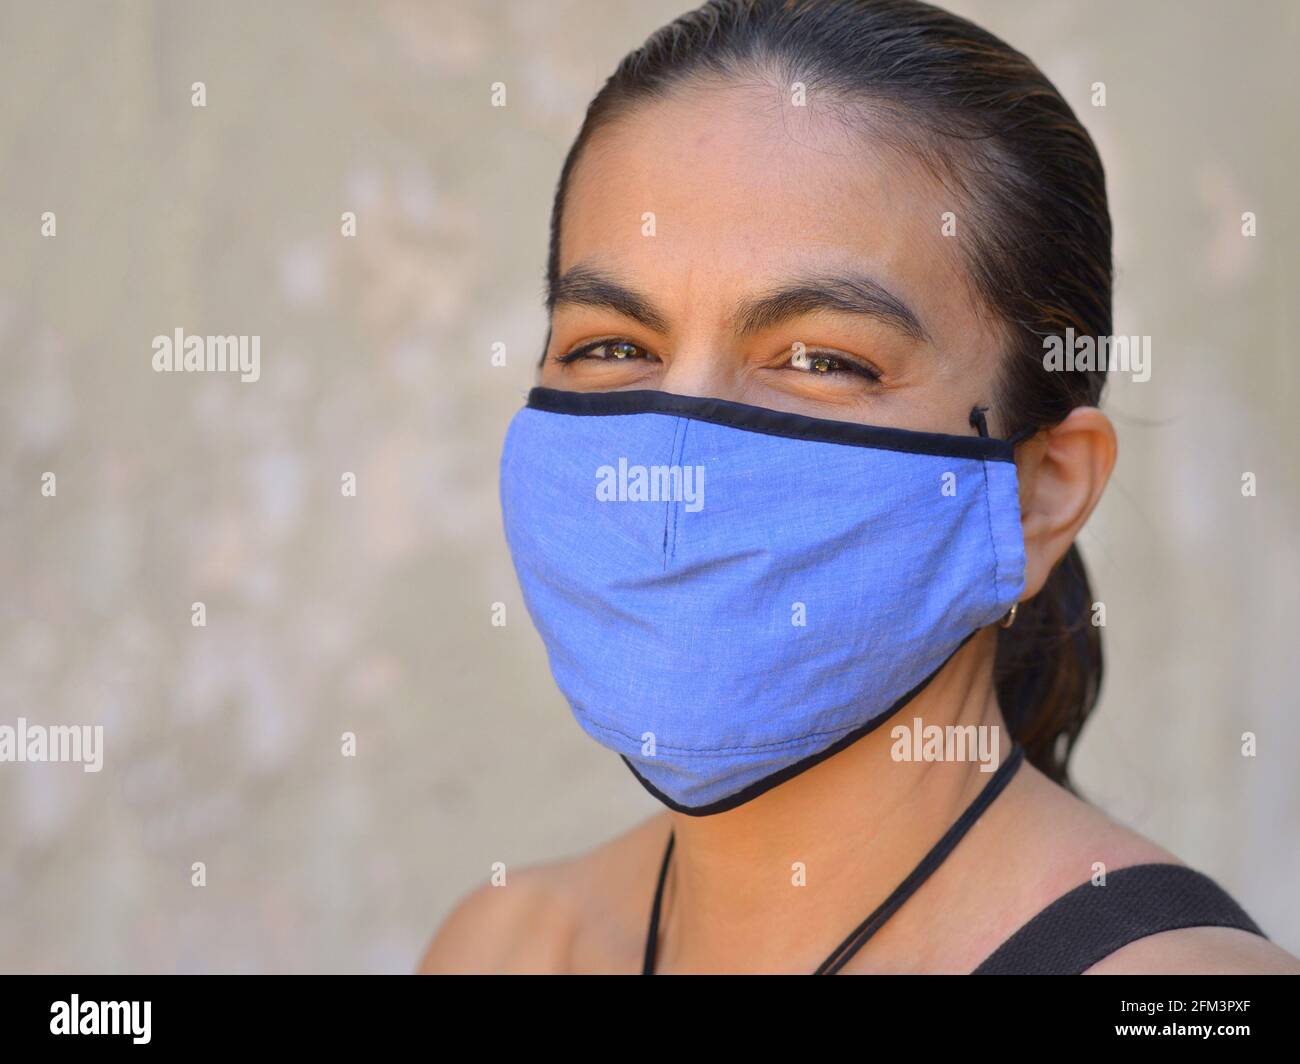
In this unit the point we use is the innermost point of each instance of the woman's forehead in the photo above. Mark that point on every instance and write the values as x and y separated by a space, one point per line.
743 188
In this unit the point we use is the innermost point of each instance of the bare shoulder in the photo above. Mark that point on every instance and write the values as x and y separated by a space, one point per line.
1199 951
514 928
1078 835
569 914
1085 839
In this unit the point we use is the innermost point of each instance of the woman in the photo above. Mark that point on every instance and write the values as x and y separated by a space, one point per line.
794 510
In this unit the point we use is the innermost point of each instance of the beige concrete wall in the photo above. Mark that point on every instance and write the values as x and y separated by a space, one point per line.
370 614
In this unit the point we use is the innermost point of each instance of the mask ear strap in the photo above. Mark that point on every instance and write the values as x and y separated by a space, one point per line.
1023 434
981 425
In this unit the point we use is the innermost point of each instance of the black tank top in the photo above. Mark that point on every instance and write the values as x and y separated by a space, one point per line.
1067 937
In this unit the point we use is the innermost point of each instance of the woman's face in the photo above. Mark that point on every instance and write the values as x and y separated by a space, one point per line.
727 243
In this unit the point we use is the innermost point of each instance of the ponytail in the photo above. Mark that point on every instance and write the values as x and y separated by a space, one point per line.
1048 668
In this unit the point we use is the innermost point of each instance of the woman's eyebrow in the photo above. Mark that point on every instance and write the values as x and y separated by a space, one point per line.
587 286
851 293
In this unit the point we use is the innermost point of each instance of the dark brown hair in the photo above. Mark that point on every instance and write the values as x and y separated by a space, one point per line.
1036 232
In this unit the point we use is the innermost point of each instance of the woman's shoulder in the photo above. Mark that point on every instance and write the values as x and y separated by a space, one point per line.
1079 845
580 913
513 928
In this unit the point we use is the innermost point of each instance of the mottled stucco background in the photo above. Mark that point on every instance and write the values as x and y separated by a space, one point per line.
371 614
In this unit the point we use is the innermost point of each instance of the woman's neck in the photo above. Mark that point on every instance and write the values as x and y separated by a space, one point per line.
775 884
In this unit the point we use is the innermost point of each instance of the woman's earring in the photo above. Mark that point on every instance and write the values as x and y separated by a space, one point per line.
1010 618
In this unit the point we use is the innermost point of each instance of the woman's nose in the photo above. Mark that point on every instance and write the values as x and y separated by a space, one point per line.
701 369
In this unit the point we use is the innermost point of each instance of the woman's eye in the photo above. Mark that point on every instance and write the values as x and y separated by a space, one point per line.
820 364
606 351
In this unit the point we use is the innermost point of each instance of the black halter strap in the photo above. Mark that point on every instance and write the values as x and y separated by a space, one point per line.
1092 921
859 936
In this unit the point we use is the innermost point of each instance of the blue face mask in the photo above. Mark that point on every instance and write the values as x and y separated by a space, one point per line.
729 595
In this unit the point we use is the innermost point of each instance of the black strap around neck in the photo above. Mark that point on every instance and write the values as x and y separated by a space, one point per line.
859 936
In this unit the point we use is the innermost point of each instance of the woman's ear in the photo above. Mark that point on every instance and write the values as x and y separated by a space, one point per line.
1062 473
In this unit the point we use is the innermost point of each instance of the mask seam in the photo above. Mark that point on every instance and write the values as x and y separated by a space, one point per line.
677 503
668 503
